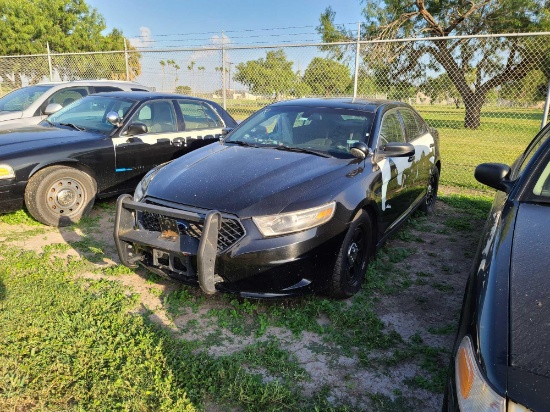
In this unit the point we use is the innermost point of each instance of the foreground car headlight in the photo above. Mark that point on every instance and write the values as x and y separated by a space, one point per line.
142 186
6 172
281 224
473 393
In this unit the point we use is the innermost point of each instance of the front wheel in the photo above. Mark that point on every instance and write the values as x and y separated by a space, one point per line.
59 195
353 258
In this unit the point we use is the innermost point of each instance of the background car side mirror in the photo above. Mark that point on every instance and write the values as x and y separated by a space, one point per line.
397 149
495 175
52 108
226 130
359 150
136 128
114 119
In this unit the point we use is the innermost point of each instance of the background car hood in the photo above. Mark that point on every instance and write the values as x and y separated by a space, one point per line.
4 116
247 181
530 291
35 137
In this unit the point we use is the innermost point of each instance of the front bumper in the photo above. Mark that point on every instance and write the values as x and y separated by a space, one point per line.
251 267
12 195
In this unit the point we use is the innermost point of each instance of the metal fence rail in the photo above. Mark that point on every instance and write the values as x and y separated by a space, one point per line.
487 95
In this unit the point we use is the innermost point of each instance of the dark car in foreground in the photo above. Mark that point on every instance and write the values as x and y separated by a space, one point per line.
294 200
501 358
100 145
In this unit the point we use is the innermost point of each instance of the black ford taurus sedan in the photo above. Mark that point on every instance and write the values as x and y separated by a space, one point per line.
294 200
501 358
99 145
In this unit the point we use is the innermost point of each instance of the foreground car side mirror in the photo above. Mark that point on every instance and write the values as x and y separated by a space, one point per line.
495 175
136 128
114 119
397 149
52 108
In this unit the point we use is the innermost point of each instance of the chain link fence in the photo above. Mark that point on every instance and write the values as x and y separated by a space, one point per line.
486 95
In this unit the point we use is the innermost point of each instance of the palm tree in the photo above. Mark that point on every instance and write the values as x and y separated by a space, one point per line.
162 64
191 69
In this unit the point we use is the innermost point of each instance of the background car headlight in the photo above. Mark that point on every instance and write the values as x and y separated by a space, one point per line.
284 223
142 186
6 172
473 392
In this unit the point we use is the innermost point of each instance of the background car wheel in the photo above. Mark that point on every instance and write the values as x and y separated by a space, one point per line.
428 205
60 195
353 258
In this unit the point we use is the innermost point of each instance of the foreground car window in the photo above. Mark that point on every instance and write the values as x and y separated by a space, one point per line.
327 130
90 113
22 98
542 185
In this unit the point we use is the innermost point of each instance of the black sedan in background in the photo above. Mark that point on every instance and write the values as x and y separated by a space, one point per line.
100 145
294 200
501 358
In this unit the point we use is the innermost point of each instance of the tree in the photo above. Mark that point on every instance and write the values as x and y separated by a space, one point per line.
67 26
496 61
183 89
326 76
267 76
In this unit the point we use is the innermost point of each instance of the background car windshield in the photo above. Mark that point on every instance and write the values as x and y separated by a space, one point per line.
90 113
22 98
322 129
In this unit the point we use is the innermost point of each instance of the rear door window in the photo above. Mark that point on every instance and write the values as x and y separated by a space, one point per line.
197 115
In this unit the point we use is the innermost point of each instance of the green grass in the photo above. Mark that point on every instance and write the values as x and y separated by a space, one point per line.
72 343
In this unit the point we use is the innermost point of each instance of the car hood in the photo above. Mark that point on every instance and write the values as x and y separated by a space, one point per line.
36 137
247 181
530 294
5 115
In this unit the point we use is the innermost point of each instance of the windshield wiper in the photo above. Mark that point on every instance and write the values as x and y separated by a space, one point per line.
241 143
302 150
73 126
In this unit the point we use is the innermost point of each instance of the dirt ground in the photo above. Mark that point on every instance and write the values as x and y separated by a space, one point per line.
440 252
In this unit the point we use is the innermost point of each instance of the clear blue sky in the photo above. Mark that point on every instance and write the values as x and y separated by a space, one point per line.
243 21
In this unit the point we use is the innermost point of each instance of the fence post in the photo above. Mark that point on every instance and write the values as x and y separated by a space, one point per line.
126 61
357 53
546 106
49 61
223 73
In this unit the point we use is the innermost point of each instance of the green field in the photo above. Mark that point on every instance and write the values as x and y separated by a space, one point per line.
503 135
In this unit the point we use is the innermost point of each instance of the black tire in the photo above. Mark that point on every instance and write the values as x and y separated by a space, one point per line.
428 204
60 195
353 258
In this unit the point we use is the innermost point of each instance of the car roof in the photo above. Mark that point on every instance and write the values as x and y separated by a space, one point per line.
367 105
137 95
91 82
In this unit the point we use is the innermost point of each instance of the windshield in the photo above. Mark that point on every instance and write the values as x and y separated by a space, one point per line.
90 113
20 99
327 130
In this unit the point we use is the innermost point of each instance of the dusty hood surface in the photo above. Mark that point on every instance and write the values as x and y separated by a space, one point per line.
246 181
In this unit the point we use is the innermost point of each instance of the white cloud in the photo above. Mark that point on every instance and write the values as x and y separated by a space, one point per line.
144 40
215 40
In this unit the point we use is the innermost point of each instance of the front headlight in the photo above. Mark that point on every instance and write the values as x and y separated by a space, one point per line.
6 172
281 224
142 186
473 393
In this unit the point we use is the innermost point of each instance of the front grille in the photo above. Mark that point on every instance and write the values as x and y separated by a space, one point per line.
231 230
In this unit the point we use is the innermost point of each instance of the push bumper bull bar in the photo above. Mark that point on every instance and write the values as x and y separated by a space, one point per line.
129 237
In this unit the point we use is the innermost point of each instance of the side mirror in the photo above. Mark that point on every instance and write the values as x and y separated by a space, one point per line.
52 108
136 128
397 149
114 119
495 175
359 150
226 130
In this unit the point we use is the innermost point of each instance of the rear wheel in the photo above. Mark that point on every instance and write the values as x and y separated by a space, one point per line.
353 258
428 205
60 195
